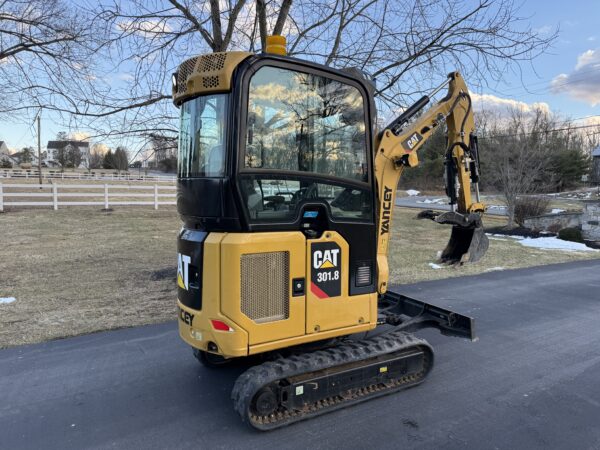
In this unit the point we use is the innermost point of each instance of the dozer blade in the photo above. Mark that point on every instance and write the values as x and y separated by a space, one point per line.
468 242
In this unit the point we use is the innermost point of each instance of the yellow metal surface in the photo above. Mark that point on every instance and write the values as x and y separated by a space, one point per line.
221 294
206 74
233 246
394 153
285 343
230 344
323 314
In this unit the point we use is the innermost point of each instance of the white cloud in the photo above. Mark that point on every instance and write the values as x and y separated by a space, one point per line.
583 83
592 38
593 120
586 58
502 106
100 148
544 30
79 136
125 77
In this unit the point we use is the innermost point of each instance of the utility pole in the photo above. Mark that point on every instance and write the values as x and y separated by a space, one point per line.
39 146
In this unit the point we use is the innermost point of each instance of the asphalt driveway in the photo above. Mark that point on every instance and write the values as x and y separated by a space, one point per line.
531 381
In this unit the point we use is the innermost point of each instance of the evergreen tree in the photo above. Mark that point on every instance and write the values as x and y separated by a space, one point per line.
73 155
109 160
62 157
27 155
120 158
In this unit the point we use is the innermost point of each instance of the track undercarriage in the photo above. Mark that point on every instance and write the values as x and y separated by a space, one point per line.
307 384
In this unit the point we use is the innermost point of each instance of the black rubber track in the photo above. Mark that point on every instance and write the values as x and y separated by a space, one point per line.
251 381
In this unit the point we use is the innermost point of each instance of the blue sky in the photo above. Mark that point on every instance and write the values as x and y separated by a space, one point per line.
566 78
552 78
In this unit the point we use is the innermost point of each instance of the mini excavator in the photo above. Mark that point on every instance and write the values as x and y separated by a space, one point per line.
286 192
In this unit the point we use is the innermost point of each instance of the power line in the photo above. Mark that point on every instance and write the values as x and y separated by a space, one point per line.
585 117
545 132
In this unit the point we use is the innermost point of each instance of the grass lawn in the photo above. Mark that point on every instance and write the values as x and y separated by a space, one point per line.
81 270
416 243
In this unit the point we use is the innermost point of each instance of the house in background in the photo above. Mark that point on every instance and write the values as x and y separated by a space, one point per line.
69 146
6 159
21 158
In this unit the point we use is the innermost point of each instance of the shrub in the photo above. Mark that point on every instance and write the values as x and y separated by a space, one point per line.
570 234
554 228
529 207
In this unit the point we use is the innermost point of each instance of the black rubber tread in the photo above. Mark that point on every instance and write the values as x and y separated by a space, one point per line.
251 381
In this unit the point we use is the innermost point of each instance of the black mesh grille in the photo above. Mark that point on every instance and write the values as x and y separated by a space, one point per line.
185 70
215 61
210 82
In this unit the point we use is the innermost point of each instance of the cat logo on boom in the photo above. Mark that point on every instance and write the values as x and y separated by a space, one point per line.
183 263
412 141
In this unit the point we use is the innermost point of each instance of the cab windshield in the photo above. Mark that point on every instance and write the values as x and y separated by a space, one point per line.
202 137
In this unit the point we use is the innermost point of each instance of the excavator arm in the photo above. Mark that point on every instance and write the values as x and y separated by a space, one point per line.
397 149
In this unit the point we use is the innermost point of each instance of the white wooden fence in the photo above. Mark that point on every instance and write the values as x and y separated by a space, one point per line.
52 195
92 175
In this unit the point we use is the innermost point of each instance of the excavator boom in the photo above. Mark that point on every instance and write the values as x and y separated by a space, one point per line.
397 149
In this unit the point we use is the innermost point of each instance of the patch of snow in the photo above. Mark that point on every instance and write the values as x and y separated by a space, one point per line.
412 192
496 207
435 266
553 243
437 201
502 236
7 300
494 269
557 210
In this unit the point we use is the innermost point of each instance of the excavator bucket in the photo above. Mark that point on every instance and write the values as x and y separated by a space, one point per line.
468 242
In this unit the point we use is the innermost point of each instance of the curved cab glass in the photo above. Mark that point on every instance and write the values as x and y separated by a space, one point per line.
203 128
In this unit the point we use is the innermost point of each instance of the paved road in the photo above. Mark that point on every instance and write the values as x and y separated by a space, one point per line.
532 381
439 203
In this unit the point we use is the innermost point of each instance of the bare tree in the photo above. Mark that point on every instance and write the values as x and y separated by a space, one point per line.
45 46
518 154
96 158
407 45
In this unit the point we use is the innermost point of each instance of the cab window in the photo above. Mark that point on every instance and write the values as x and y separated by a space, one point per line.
305 122
305 140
